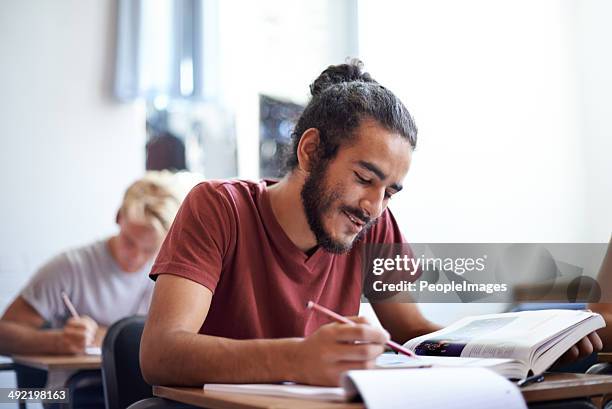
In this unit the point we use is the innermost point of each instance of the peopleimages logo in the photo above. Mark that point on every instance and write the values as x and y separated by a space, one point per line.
459 266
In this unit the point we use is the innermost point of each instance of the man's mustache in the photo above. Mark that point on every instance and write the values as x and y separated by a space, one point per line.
358 214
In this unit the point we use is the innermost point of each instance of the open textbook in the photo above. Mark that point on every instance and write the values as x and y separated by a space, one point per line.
514 345
401 388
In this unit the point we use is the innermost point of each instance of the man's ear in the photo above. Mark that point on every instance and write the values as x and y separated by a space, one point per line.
118 216
307 149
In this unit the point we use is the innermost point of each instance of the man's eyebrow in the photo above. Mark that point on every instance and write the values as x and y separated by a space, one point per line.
381 175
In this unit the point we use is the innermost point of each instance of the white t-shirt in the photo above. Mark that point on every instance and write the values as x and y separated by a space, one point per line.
95 284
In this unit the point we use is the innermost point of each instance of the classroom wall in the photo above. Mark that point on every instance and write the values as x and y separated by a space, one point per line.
594 83
512 103
68 150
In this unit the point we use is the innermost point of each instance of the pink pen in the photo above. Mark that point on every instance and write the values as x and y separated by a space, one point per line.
393 345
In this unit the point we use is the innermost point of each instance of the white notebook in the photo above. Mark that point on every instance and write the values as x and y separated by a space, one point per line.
93 351
401 388
287 390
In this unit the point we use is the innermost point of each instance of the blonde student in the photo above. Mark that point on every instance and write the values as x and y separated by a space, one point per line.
105 280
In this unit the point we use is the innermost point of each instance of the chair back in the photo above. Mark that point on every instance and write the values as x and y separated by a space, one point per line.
121 375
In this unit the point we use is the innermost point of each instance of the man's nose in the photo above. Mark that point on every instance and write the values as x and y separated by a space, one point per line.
373 204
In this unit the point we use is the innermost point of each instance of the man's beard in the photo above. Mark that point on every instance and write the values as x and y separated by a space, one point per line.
317 201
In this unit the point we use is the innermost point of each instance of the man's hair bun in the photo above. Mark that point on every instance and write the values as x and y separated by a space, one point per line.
342 97
351 71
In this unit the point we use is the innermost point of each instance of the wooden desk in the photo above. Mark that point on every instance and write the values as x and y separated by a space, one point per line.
59 362
556 386
218 400
604 357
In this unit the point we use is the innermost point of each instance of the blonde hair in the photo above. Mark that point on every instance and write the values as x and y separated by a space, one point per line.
155 198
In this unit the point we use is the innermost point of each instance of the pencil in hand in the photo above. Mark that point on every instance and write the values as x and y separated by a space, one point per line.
70 306
339 318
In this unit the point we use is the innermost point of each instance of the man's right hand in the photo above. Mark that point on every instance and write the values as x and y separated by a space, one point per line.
333 349
77 334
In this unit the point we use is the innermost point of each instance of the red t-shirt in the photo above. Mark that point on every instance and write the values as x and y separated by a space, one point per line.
226 238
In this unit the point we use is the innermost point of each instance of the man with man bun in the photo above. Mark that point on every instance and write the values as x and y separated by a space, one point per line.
243 258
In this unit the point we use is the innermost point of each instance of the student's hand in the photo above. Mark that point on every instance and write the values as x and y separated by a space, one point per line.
335 348
99 338
77 334
585 347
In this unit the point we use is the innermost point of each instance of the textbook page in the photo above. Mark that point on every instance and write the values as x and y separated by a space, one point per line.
433 388
508 368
